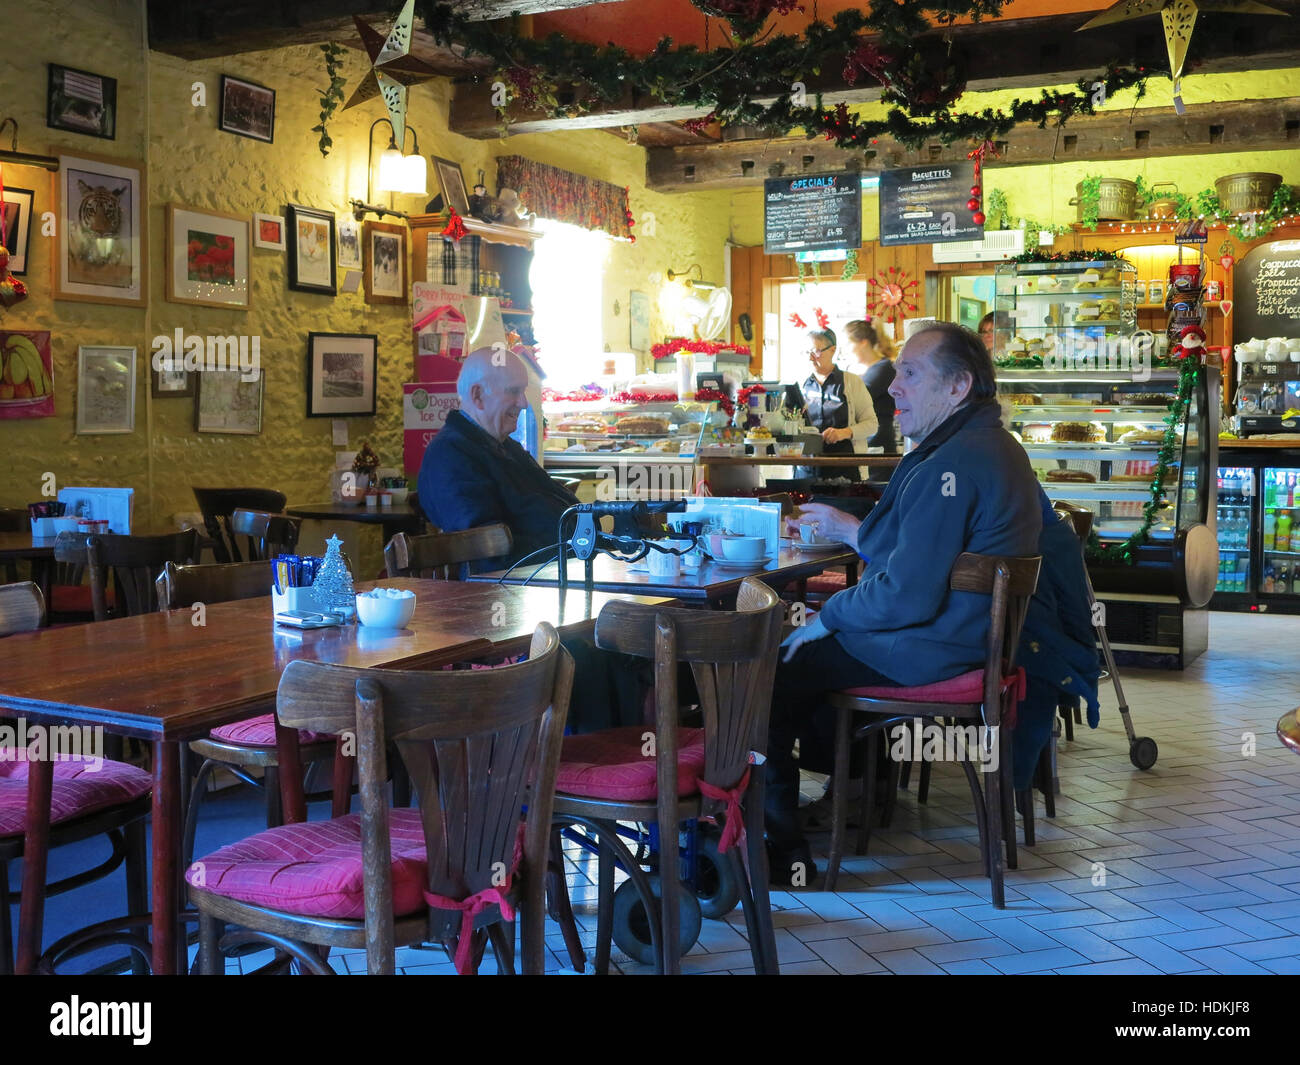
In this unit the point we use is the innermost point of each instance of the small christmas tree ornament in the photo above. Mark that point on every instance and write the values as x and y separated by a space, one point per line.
332 587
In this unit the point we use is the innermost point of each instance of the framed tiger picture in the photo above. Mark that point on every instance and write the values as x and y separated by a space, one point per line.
101 247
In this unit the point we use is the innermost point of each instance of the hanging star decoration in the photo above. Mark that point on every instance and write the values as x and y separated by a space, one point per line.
1179 18
392 68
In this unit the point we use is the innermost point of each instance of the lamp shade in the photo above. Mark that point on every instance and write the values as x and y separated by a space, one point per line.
391 171
415 175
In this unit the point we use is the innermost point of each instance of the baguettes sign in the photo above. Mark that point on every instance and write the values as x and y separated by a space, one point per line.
927 205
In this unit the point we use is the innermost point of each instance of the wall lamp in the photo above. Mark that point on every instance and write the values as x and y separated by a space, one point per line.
397 172
13 155
701 284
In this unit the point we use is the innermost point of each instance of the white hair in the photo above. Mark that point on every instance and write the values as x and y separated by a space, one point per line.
483 366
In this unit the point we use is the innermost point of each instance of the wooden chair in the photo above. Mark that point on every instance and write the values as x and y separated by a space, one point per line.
480 745
135 562
13 519
217 506
982 697
75 796
266 535
443 556
692 773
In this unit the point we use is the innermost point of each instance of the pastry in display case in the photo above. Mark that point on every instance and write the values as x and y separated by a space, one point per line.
578 433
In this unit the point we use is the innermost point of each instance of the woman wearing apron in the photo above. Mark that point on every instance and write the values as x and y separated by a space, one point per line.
836 403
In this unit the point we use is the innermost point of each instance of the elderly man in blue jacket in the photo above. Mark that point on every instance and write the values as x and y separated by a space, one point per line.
966 486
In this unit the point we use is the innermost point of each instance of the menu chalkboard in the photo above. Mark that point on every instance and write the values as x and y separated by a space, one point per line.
927 204
811 213
1266 284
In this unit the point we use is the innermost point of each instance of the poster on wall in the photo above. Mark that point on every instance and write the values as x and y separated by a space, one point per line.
100 255
638 314
811 213
26 374
927 205
425 406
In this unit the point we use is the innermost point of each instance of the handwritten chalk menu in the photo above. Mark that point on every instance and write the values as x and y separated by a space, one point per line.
927 204
811 213
1266 284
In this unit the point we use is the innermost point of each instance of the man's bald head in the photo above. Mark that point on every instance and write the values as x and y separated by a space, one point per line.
491 388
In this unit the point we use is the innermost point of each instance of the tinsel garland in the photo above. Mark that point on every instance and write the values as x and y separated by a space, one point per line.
699 347
1084 256
712 395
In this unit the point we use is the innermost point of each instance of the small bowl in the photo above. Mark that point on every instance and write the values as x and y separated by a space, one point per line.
399 495
744 548
385 612
789 449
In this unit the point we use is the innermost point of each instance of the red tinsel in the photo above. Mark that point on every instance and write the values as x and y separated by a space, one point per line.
700 347
627 211
742 395
712 395
644 397
455 227
866 59
698 125
823 319
582 395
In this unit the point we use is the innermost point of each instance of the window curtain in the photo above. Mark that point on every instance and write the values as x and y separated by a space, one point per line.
564 196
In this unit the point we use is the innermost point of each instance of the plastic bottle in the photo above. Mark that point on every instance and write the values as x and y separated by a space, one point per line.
1283 534
1295 535
1243 572
1270 529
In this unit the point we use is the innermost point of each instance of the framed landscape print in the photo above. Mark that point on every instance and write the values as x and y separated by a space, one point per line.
268 231
99 254
225 403
207 258
105 390
453 185
16 226
311 250
247 109
341 374
384 246
81 102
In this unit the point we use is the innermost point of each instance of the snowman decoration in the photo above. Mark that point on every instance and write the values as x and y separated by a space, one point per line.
1191 342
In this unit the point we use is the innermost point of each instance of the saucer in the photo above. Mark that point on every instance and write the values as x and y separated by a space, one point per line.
742 563
820 545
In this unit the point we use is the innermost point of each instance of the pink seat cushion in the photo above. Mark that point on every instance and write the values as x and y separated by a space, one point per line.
964 688
78 790
831 582
259 732
75 599
314 869
610 765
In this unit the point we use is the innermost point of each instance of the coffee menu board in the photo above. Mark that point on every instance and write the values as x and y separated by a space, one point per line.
816 212
1266 288
927 205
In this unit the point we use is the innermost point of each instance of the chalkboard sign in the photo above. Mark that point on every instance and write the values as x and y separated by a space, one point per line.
927 204
1266 287
811 213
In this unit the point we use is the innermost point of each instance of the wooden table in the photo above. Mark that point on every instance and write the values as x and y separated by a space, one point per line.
401 517
38 550
164 679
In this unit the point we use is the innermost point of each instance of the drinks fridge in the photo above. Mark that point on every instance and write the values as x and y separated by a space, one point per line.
1258 527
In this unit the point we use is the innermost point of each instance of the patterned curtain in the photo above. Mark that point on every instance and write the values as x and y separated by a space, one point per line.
564 196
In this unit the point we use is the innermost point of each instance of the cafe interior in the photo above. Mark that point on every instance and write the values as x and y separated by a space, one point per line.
260 713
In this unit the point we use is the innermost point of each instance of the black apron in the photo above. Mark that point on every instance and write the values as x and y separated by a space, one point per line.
827 408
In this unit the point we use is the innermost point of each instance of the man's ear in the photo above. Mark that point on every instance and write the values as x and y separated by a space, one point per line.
476 395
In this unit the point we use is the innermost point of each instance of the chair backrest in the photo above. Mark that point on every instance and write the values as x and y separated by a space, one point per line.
218 504
267 535
1079 517
478 745
22 608
136 562
733 657
14 519
220 582
442 555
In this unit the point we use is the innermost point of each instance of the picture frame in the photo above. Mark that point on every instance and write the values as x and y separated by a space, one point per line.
208 258
970 311
101 247
105 390
247 109
349 243
33 396
341 372
638 320
268 231
16 226
384 251
172 384
225 403
310 236
81 102
452 181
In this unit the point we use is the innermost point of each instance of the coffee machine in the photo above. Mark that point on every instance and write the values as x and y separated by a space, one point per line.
1266 391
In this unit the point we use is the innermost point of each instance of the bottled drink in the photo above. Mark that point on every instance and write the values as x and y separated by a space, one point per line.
1243 572
1270 530
1269 581
1283 531
1282 584
1295 534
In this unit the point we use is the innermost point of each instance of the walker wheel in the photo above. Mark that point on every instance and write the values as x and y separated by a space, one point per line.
632 927
716 886
1143 752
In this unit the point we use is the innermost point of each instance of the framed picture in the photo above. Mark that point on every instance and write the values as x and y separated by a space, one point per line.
268 231
207 258
26 374
341 374
385 257
453 185
310 233
247 109
100 252
81 102
224 402
105 390
638 320
172 384
16 226
969 312
349 243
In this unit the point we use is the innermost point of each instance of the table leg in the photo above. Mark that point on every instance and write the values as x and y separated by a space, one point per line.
36 852
166 873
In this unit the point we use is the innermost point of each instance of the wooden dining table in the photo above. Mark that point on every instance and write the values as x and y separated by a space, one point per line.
400 517
173 676
38 550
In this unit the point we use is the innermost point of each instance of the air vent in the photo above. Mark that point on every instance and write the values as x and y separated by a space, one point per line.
998 244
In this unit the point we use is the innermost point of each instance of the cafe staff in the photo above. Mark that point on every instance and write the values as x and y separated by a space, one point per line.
836 403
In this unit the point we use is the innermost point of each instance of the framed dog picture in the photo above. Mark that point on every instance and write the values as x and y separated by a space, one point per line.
81 102
100 252
311 250
384 246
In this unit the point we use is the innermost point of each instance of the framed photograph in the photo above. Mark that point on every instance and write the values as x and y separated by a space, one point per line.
453 185
16 226
638 320
310 233
969 312
385 257
247 109
268 231
341 374
100 252
224 402
26 374
207 258
349 243
105 390
81 102
172 384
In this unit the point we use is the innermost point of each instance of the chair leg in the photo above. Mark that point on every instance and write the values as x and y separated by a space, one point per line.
502 937
1005 785
905 775
137 882
761 934
197 791
839 797
342 780
6 926
210 960
1043 779
558 890
892 771
670 899
993 820
868 792
923 786
604 903
274 801
1025 804
1063 708
977 795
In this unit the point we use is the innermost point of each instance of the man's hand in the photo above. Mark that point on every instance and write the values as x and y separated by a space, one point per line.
834 436
833 524
814 630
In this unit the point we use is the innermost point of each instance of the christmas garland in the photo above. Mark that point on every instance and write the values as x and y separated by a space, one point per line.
712 395
1205 205
1083 256
670 348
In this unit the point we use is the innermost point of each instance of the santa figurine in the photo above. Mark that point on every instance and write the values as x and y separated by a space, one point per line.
1190 343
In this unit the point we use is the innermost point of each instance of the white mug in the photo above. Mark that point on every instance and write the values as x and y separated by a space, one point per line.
809 532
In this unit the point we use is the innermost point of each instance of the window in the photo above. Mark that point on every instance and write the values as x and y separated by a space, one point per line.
567 278
839 301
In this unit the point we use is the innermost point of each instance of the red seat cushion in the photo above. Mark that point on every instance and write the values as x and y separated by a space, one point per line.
79 789
831 582
259 732
964 688
75 599
314 869
610 765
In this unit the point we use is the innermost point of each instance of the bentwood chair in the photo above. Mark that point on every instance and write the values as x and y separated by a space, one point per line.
611 776
135 562
218 504
481 747
985 697
85 799
444 556
266 535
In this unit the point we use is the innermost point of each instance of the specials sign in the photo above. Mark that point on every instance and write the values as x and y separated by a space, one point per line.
927 205
816 212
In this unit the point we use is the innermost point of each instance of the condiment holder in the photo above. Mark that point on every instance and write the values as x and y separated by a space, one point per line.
294 599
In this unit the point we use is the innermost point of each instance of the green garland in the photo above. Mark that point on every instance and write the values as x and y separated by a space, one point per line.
997 205
1085 255
850 265
331 97
1204 204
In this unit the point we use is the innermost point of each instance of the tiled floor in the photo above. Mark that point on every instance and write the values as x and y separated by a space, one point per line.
1191 867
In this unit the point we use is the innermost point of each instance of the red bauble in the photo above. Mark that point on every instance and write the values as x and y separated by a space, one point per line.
974 190
978 218
972 204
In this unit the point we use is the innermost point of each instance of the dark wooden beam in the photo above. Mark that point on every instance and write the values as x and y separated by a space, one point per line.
1247 125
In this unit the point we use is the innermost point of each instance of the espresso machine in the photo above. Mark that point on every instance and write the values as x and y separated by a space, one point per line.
1268 389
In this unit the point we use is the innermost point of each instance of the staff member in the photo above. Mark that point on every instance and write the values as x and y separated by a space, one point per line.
874 354
836 403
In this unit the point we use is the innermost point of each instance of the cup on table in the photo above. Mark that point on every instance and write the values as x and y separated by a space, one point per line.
663 564
809 532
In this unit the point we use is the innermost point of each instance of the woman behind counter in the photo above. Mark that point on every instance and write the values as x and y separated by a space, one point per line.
873 354
836 403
